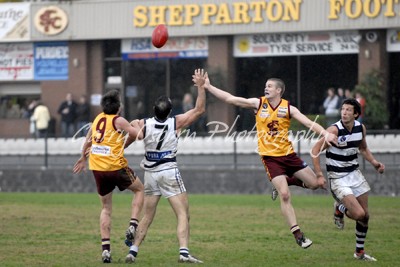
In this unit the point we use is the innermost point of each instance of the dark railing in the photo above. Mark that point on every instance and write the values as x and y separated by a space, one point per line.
215 152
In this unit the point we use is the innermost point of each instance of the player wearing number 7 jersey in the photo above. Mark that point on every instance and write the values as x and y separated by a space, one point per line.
106 142
161 177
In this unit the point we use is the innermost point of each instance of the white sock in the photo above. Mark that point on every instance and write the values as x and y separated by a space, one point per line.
134 248
184 251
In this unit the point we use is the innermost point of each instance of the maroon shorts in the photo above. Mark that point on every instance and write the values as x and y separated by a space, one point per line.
106 181
285 165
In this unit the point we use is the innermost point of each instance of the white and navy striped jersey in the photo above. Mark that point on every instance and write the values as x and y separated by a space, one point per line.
342 159
160 144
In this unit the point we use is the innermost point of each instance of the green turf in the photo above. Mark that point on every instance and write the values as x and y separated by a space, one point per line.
49 229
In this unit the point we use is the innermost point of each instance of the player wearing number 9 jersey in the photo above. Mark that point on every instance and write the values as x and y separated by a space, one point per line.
107 151
161 176
109 166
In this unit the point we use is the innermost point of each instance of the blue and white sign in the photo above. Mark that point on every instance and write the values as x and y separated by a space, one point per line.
51 61
179 47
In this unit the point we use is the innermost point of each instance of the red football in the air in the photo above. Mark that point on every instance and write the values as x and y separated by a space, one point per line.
160 36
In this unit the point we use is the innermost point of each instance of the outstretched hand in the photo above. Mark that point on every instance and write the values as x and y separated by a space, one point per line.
331 139
80 165
199 77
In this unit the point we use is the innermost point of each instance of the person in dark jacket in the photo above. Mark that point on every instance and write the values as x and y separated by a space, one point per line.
82 116
67 110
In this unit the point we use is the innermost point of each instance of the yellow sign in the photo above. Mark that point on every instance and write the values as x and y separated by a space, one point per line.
223 13
256 12
356 8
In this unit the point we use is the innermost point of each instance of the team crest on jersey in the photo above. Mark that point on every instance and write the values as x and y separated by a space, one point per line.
264 105
282 112
342 141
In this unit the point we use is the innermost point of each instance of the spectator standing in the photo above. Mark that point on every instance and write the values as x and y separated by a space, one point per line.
347 93
341 97
67 110
330 106
28 115
187 104
82 116
41 117
28 109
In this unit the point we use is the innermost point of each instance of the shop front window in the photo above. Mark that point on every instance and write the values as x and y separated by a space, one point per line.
146 80
17 106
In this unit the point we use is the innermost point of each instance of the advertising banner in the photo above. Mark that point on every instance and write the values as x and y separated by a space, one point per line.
51 61
179 47
293 44
16 61
14 22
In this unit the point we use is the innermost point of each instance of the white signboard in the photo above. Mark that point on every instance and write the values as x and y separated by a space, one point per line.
291 44
176 47
14 22
16 61
393 40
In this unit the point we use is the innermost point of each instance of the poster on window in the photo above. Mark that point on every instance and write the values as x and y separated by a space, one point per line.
51 61
16 61
14 22
293 44
176 47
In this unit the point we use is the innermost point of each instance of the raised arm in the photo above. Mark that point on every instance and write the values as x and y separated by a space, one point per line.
367 155
314 126
187 118
250 103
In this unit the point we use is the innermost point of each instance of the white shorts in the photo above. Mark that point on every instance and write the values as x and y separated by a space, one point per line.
165 183
352 184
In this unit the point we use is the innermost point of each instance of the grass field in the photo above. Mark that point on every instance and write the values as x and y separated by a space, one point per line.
48 229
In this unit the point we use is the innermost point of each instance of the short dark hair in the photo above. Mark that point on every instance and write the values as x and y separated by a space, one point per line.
356 105
279 83
111 102
162 107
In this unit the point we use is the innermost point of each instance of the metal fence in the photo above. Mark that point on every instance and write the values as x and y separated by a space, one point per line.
212 152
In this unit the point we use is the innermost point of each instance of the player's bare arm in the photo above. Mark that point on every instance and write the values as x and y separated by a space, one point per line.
122 124
187 118
249 103
367 155
80 164
139 126
314 126
315 153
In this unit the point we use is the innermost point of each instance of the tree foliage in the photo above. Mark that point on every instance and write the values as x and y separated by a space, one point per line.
372 88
